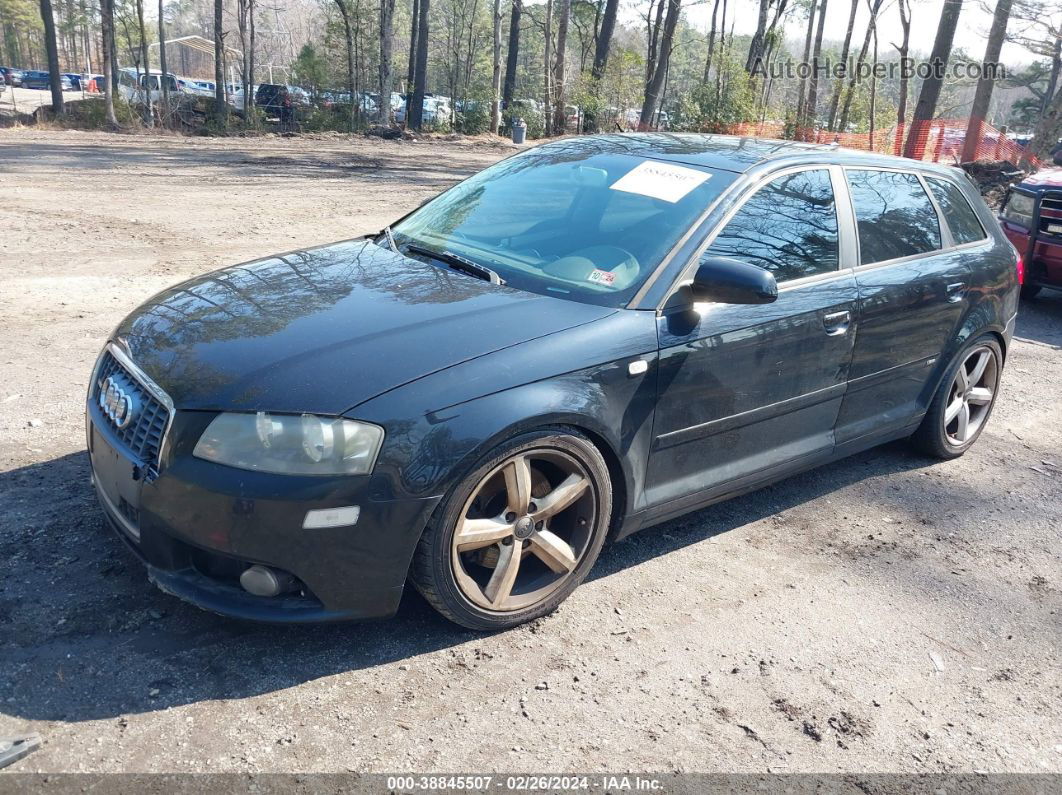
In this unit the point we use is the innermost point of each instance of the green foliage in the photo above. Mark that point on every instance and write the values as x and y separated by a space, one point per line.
474 117
532 116
714 105
91 114
311 69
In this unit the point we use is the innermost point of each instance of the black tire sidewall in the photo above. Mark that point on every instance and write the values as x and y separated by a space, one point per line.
436 557
933 438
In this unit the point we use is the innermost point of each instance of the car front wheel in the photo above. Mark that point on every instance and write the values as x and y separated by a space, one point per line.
519 533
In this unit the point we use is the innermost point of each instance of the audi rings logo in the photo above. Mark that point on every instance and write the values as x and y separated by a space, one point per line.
115 402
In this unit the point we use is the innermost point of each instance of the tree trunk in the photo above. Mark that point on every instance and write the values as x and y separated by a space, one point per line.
836 98
164 111
756 45
221 108
249 98
802 94
985 84
1052 81
564 10
513 55
604 39
547 87
107 30
711 43
420 74
52 49
495 79
348 38
811 108
387 34
875 7
905 43
652 88
412 63
930 93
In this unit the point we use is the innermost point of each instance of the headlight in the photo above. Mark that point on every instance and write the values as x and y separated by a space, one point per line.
291 444
1019 209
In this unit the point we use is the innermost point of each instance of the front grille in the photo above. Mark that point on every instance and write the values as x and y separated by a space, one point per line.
1050 213
142 436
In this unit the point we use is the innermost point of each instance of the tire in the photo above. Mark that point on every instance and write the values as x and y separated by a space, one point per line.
943 433
1030 291
466 564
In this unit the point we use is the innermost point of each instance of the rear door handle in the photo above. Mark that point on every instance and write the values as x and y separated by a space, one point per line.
956 291
836 323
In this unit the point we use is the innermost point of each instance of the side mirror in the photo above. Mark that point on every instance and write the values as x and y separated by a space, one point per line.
723 280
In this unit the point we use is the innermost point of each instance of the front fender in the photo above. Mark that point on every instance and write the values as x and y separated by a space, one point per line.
438 427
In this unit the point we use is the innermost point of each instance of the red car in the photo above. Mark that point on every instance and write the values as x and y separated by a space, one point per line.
1032 221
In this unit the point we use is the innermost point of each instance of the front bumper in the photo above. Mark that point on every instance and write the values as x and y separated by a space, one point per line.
197 525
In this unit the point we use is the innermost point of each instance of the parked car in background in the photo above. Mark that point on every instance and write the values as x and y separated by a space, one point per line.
1032 220
3 81
43 81
132 85
583 340
12 76
275 100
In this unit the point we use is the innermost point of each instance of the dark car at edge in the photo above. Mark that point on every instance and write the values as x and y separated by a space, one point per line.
584 340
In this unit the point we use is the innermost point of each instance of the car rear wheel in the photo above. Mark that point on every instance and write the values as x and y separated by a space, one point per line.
963 402
518 534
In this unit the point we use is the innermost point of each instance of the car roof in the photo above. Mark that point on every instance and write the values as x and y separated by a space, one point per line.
735 153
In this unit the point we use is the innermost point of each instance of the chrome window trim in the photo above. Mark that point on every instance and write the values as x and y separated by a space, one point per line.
750 190
145 381
947 240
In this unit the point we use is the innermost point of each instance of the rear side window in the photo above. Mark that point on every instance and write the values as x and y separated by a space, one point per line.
961 219
788 227
893 214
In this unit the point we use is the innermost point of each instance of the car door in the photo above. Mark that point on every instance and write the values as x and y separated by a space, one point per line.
913 291
746 392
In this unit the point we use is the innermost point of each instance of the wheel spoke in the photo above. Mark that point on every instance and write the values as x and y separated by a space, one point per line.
501 582
953 409
979 368
518 485
476 533
569 490
554 551
980 396
964 423
962 378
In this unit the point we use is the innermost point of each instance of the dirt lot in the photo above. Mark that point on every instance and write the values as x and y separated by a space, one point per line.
886 613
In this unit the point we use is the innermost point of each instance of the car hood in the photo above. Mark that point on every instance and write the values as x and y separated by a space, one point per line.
325 329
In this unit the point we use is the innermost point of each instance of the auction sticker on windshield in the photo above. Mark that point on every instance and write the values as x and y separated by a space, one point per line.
660 180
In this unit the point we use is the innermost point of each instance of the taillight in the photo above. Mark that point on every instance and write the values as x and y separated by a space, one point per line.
1020 267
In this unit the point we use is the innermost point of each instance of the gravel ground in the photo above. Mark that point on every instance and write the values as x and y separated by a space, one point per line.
884 613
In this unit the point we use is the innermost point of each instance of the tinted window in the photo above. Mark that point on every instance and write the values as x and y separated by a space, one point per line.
788 227
894 215
962 220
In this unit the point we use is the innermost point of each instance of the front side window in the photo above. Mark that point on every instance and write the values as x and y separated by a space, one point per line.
961 218
894 216
788 227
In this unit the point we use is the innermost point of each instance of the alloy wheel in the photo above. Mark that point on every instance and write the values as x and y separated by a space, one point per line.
524 530
970 398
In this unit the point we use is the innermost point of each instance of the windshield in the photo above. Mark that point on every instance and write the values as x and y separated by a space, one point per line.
564 221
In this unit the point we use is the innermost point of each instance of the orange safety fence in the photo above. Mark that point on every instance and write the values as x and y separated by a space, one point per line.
936 140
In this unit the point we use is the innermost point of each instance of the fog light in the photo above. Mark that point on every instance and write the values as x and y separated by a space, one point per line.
331 517
264 581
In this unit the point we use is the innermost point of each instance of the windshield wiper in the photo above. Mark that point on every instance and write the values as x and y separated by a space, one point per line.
458 263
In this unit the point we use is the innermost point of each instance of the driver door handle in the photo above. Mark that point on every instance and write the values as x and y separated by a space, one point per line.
956 291
836 323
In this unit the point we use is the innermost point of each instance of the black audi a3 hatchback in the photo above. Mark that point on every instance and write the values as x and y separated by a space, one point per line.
583 340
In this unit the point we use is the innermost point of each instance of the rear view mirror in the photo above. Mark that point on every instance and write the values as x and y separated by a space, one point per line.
723 280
